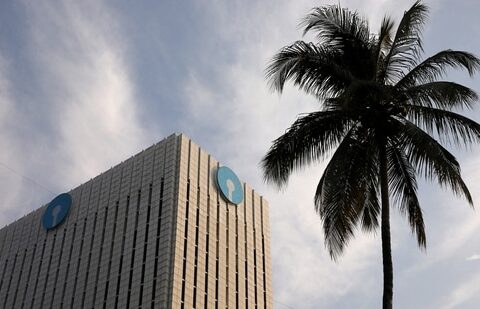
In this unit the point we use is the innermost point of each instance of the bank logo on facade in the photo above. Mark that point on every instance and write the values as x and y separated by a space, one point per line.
229 185
57 211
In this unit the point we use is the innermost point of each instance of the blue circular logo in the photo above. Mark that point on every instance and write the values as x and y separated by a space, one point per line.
57 211
230 186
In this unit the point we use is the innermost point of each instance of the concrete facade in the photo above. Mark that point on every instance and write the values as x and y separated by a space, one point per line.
151 232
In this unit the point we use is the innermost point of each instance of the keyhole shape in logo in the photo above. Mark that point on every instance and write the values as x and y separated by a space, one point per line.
56 211
229 185
231 188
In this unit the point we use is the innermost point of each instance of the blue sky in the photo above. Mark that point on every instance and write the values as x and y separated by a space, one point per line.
86 84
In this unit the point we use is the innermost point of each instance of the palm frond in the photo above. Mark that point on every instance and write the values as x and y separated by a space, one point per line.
440 94
335 26
447 125
384 43
431 159
402 182
435 67
308 139
371 209
345 195
407 44
312 68
345 32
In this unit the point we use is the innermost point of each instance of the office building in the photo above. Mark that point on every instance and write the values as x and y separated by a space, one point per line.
168 228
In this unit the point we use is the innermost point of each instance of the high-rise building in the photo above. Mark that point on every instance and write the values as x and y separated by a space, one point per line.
168 228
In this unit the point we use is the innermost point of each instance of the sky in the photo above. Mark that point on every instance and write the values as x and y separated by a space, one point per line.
86 84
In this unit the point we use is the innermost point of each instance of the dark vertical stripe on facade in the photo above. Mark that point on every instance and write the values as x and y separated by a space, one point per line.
117 203
48 269
217 261
10 280
28 275
227 243
89 260
122 251
30 264
38 272
236 258
246 245
55 281
68 265
263 259
132 260
19 277
185 236
207 237
255 268
197 226
3 273
75 281
6 260
28 236
157 244
102 240
145 242
13 272
185 240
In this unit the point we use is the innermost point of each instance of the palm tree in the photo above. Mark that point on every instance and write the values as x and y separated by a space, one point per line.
384 113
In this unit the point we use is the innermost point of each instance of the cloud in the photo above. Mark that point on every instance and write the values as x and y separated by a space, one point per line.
473 257
71 107
79 115
464 295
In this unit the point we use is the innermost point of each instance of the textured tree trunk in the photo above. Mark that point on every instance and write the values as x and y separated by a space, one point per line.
385 226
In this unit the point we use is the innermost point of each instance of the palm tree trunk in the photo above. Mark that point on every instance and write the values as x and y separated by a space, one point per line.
385 226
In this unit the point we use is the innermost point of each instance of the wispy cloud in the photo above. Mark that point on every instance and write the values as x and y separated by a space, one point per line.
465 295
473 257
78 113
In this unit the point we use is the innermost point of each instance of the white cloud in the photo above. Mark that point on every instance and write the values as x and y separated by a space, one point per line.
96 113
473 257
84 119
